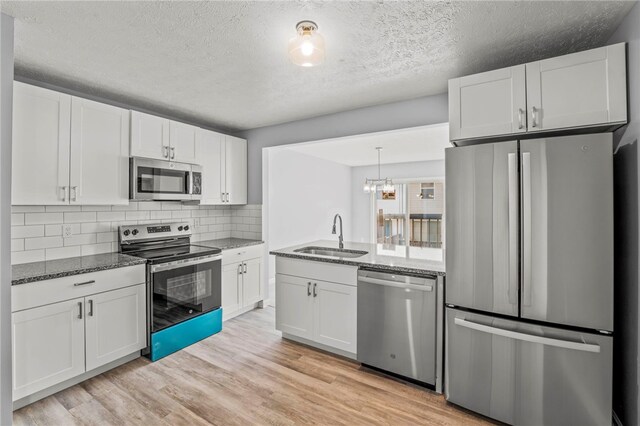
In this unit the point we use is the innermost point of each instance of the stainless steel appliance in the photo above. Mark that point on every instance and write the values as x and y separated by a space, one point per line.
185 283
164 180
398 324
529 260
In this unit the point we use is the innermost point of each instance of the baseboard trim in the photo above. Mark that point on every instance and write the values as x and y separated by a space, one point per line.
320 346
30 399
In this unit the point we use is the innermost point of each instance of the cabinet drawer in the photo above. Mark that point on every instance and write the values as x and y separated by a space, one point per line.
242 253
39 293
331 272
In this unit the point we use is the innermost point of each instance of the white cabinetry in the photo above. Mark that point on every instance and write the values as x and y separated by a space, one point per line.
491 103
241 280
41 134
224 164
317 302
66 327
584 89
99 153
578 90
115 325
68 150
48 346
162 139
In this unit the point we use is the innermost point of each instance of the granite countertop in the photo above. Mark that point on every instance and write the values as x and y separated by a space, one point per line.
228 243
381 256
39 271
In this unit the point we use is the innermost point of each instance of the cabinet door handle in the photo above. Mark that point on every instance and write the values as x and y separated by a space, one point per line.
534 117
315 293
79 310
84 283
240 269
520 120
64 193
309 288
75 193
227 196
173 153
244 269
90 307
222 196
165 151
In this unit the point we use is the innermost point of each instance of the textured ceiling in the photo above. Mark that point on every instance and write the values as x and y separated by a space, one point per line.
225 63
423 143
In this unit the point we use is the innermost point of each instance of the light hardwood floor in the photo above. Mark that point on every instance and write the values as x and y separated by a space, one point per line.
247 374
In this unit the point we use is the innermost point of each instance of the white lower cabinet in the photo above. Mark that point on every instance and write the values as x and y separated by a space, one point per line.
48 346
241 280
115 325
315 309
56 340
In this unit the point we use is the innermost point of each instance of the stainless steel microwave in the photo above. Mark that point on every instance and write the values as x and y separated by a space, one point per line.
164 180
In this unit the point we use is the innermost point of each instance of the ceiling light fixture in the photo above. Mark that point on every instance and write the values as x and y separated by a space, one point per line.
380 184
307 48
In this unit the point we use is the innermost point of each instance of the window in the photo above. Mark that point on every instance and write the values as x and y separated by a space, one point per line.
412 216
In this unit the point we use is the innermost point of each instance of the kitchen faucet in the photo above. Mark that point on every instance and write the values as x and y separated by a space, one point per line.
333 231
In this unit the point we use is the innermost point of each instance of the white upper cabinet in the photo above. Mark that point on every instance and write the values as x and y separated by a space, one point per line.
210 150
224 168
581 89
162 139
41 129
183 142
491 103
99 153
68 150
149 136
236 170
584 89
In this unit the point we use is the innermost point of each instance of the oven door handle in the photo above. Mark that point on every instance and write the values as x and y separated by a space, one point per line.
181 263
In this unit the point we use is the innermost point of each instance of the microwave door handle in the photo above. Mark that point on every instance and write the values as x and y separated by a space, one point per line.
190 183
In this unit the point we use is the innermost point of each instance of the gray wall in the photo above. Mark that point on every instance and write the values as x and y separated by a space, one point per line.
626 368
397 115
6 107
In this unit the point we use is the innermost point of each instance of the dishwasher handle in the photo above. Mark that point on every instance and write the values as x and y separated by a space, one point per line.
395 284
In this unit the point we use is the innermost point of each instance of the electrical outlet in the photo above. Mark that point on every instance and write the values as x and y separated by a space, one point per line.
67 231
196 222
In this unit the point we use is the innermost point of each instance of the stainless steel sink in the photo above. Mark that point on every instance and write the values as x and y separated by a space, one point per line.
331 252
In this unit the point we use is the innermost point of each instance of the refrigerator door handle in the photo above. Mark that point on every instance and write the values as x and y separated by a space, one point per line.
559 343
526 228
513 227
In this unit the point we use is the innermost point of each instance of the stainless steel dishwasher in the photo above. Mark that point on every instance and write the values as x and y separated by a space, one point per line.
399 324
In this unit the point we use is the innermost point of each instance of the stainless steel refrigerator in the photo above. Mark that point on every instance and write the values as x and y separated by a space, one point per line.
529 286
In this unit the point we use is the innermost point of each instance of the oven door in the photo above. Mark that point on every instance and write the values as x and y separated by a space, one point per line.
184 289
159 180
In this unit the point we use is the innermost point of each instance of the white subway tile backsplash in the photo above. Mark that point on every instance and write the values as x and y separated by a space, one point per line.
62 209
96 249
27 256
27 209
17 244
42 243
17 219
27 231
42 218
81 239
110 216
37 231
52 230
79 217
62 252
137 215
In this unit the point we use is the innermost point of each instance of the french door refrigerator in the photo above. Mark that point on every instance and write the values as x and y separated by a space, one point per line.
529 290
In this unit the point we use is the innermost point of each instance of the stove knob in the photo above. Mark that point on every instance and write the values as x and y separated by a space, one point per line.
126 233
134 232
186 228
179 228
